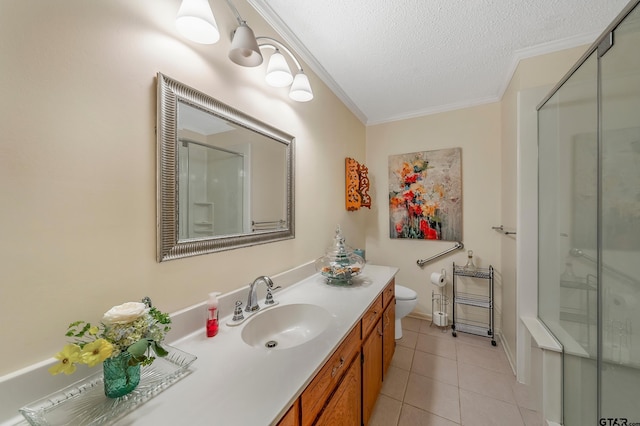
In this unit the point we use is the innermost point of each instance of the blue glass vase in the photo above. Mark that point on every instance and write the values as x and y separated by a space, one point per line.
120 378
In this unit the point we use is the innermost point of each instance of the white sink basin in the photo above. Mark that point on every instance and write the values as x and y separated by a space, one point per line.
286 326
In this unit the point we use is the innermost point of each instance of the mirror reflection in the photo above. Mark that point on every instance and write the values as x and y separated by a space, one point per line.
225 179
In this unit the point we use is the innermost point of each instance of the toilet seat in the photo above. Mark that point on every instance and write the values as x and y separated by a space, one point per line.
404 293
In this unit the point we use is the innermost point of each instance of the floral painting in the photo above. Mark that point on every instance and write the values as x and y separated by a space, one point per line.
425 195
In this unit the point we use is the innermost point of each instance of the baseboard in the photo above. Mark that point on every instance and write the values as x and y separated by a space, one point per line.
420 316
508 352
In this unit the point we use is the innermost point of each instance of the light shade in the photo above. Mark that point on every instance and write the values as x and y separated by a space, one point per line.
195 21
301 89
278 72
244 47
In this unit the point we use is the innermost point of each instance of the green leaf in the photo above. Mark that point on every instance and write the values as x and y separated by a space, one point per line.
138 360
138 349
159 350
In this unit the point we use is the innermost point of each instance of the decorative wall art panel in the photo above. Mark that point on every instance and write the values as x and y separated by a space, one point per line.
357 185
425 195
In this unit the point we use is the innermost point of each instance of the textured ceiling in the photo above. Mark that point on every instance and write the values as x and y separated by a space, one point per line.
394 59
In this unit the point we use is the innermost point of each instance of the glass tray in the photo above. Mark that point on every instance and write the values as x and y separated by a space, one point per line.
84 402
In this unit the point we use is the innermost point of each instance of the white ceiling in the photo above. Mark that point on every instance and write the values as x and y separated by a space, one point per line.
394 59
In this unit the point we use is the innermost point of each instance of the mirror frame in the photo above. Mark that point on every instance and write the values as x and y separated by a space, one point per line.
170 92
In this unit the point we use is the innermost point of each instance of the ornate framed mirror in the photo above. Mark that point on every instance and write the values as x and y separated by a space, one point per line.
225 180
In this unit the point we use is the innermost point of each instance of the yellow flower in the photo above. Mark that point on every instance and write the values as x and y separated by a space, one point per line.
93 330
69 355
95 352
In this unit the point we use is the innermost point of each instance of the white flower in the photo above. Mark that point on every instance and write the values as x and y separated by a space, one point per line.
125 313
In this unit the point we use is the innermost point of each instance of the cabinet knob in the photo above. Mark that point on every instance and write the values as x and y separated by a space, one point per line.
337 367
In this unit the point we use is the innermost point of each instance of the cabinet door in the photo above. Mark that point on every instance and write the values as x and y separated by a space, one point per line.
388 335
292 418
344 405
317 393
371 370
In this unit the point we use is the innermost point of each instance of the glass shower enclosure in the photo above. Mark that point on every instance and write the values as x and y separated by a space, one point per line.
589 226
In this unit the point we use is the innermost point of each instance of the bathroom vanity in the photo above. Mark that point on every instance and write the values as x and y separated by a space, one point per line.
334 378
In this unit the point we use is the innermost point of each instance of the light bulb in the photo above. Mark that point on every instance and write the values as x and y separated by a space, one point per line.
301 89
278 73
195 21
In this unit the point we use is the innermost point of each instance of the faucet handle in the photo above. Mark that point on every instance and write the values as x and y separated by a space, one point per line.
237 312
269 299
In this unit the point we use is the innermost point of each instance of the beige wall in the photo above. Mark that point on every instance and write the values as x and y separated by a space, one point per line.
488 137
477 131
544 70
78 164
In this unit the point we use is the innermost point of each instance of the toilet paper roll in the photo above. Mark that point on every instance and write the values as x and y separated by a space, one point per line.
438 279
440 318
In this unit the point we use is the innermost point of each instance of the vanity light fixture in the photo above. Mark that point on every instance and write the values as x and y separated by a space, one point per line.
244 47
278 72
195 16
279 75
195 21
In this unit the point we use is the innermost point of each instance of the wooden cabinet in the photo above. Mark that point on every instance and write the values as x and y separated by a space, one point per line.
315 396
292 418
371 370
388 326
388 337
344 406
345 390
389 293
371 317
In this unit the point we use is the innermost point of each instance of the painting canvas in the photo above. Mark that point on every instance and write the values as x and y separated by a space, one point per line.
425 195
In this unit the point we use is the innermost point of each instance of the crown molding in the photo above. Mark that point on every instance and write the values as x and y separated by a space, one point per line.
283 30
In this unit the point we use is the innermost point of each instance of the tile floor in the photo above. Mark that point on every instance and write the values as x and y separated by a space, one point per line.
436 379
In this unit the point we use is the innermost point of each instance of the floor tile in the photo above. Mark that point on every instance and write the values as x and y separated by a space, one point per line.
394 383
412 416
433 396
491 357
435 367
480 410
524 398
408 339
402 358
426 327
474 339
411 324
386 411
486 382
438 345
531 417
438 380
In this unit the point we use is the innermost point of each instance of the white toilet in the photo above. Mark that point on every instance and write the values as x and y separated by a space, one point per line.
406 301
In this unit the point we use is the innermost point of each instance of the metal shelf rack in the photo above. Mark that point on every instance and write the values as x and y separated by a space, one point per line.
483 301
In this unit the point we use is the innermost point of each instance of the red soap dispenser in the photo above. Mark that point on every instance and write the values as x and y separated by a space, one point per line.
212 314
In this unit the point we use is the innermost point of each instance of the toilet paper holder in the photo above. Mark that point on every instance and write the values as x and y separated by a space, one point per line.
439 279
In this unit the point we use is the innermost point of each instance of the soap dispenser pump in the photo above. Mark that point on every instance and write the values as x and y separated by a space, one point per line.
212 314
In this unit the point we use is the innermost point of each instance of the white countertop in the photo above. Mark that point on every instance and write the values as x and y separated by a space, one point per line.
232 383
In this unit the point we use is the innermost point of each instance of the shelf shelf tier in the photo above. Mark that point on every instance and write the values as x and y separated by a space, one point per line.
473 300
484 301
485 273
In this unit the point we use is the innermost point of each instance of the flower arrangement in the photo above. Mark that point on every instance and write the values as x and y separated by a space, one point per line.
417 206
132 327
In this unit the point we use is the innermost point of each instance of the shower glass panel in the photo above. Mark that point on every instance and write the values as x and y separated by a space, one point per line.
620 223
589 227
567 290
210 177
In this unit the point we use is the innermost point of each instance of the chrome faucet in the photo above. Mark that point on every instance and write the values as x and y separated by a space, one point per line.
252 299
